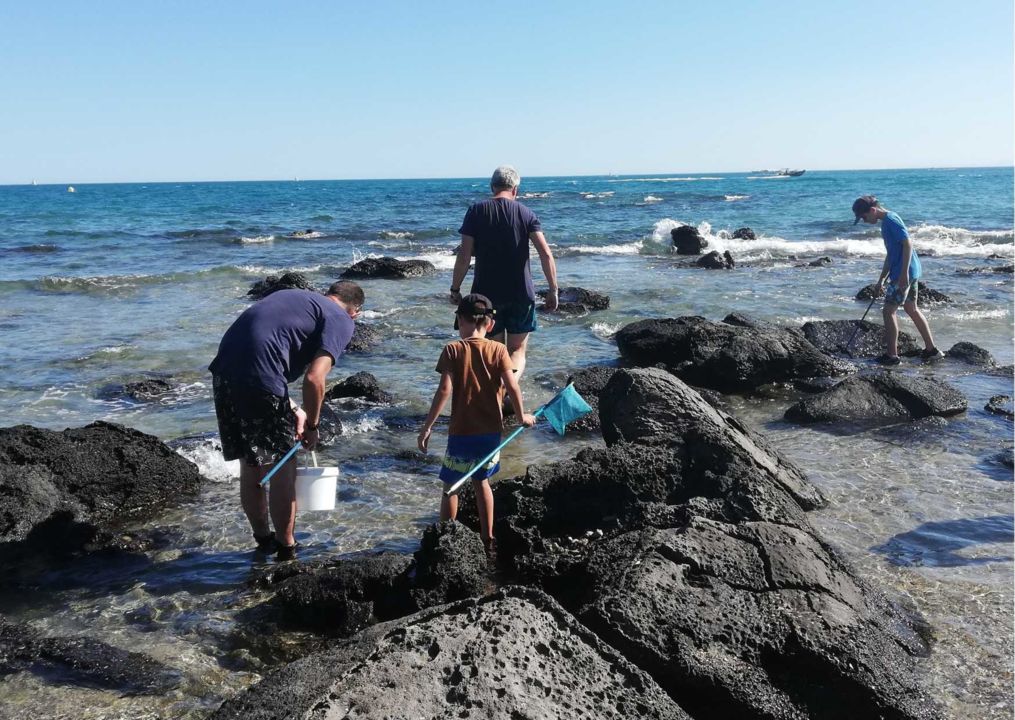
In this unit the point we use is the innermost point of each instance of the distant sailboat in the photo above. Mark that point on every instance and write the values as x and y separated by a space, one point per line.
34 183
70 188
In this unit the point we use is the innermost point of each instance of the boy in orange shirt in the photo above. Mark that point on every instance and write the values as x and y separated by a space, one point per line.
474 372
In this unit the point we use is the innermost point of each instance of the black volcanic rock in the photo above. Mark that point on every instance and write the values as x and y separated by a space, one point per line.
451 565
390 268
286 281
722 356
687 240
364 339
971 354
832 337
715 261
744 233
883 397
925 294
1000 405
577 301
361 386
64 490
589 382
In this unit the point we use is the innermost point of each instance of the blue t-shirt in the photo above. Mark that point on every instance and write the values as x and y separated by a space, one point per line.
273 341
501 230
893 230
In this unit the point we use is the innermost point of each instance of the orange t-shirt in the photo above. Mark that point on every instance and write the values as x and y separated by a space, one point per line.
476 366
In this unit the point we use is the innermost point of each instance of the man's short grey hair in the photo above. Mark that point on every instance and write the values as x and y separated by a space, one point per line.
504 178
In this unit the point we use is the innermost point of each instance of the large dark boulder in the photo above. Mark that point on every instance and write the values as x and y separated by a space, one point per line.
364 339
285 281
390 268
879 398
744 233
81 661
715 261
722 356
515 654
833 336
687 240
1000 405
971 354
361 386
61 491
820 262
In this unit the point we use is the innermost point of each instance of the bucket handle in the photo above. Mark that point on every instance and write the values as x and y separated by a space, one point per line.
313 456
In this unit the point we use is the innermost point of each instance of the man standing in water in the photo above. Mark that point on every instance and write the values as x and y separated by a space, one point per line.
498 232
269 346
902 269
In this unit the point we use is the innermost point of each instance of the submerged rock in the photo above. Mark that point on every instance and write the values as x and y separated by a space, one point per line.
515 654
687 240
361 386
820 262
723 356
63 490
146 390
286 281
879 398
81 661
925 295
833 336
390 268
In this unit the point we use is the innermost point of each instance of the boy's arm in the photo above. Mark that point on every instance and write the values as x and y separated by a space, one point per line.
508 378
885 269
440 399
907 255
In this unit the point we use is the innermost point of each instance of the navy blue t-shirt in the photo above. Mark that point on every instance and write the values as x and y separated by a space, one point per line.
273 341
501 230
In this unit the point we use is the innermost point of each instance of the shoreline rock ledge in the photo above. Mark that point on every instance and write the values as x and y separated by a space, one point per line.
671 574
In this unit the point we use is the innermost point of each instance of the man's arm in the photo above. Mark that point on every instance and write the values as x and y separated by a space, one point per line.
549 267
462 266
313 396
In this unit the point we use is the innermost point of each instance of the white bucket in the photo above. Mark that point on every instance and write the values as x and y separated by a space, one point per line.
316 487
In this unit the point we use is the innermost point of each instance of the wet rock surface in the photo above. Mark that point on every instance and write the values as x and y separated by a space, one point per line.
744 233
144 390
971 354
515 654
1000 405
879 398
80 661
364 339
285 281
60 491
715 261
723 356
855 338
577 301
361 386
589 382
389 268
925 294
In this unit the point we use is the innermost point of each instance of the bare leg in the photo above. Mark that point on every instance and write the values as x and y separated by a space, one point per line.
449 506
484 508
517 345
920 321
282 502
253 497
891 329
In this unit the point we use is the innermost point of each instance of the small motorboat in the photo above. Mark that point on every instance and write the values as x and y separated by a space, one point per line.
786 172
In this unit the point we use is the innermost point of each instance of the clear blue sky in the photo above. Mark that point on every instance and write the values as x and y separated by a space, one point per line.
145 91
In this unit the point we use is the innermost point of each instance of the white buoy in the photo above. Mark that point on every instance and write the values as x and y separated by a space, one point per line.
70 188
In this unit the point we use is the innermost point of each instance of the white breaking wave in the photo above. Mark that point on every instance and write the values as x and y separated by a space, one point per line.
734 198
526 196
256 240
606 331
596 195
768 177
207 455
396 234
625 249
649 199
363 425
971 314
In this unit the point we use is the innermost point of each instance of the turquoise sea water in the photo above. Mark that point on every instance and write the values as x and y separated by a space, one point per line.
113 283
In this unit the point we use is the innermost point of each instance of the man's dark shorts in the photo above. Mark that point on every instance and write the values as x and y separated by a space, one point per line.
515 317
894 297
255 426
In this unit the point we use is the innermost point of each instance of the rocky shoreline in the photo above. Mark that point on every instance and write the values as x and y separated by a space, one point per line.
673 573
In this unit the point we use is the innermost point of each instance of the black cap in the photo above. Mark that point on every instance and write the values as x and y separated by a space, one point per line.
862 206
475 304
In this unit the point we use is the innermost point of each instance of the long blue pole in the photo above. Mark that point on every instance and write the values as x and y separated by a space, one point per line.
280 463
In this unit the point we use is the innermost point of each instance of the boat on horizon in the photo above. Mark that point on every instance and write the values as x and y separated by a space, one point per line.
786 172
